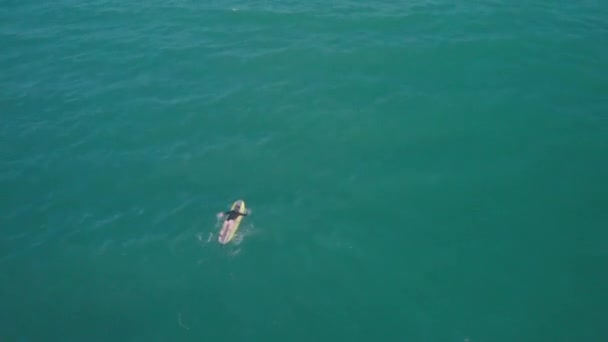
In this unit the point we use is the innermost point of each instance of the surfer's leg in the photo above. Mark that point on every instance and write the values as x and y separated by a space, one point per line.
230 227
226 228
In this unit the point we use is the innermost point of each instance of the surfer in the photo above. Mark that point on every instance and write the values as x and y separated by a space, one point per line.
231 215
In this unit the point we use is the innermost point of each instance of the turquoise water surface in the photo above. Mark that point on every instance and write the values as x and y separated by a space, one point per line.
417 171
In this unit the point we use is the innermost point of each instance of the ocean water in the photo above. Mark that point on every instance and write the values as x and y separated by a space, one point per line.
417 171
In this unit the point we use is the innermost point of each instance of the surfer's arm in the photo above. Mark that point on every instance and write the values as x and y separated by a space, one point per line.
246 213
226 213
222 213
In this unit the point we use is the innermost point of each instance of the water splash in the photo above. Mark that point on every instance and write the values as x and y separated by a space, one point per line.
179 321
244 231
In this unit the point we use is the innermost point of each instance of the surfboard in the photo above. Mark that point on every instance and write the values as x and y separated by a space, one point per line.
237 221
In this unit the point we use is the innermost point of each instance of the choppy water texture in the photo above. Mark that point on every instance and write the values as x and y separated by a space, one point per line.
417 171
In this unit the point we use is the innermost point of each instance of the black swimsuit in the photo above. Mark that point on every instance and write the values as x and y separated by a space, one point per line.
233 214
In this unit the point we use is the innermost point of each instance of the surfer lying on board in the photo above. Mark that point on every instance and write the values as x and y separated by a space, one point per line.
231 216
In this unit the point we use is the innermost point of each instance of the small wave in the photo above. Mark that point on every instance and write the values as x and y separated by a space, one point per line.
235 252
103 247
204 240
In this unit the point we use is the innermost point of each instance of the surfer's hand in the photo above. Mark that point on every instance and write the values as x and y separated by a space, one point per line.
248 211
220 215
